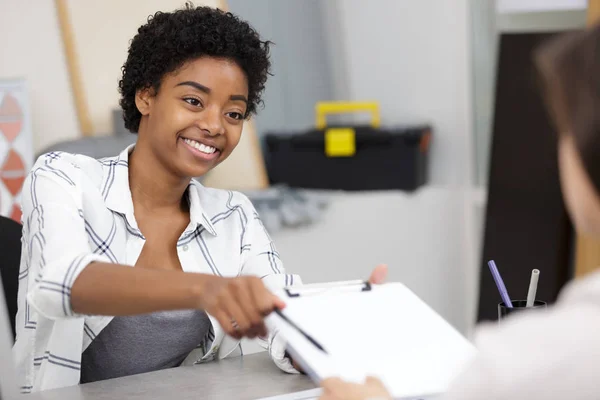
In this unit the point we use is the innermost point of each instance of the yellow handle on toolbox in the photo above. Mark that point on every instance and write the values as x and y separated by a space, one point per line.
337 107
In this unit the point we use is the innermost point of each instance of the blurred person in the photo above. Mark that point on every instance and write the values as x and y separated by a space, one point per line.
204 265
551 354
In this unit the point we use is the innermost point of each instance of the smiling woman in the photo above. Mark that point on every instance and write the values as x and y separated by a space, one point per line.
170 127
129 265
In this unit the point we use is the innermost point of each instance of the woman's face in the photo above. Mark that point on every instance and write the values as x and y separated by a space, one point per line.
195 120
582 200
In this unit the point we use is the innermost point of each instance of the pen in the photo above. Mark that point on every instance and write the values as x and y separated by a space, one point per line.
533 283
500 284
306 335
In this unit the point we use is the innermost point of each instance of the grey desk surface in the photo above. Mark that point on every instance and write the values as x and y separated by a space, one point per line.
249 377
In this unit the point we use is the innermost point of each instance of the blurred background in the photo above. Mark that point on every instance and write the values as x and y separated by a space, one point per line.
461 168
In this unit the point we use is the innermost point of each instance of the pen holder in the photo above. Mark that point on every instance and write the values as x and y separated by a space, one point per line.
518 307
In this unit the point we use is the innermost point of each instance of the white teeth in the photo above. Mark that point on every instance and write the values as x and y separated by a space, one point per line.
199 146
206 149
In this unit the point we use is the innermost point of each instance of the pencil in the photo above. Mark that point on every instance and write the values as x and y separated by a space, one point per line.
500 284
533 283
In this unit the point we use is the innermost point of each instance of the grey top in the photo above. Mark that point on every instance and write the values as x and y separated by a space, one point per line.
143 343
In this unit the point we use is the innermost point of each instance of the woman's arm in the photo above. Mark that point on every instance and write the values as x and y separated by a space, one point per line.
67 279
261 259
111 289
547 355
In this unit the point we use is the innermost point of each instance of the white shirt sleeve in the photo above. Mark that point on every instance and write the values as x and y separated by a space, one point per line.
551 354
262 260
55 239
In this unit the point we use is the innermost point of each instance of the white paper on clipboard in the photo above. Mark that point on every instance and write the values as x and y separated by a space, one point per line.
385 331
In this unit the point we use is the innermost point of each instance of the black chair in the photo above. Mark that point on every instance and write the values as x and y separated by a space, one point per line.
10 259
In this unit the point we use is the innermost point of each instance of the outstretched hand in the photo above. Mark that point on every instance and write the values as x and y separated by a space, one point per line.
337 389
379 274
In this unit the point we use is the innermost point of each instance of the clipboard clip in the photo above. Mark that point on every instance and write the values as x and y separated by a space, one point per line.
319 288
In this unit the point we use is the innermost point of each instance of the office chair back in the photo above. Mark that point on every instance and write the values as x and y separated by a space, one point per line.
8 386
10 258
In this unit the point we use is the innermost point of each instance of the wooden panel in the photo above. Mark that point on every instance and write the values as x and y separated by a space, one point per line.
526 223
587 255
71 56
244 169
593 12
587 252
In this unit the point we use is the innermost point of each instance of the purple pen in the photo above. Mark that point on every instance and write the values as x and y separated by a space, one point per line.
500 284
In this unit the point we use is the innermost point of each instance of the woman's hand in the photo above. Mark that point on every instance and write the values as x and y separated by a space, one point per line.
239 304
379 274
337 389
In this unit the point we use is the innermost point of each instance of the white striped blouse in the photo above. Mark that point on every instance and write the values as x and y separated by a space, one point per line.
77 210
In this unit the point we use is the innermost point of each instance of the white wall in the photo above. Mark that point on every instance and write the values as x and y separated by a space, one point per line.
413 57
103 30
299 60
418 235
32 48
512 6
484 50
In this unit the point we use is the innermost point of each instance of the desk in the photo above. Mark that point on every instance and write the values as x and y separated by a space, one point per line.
240 378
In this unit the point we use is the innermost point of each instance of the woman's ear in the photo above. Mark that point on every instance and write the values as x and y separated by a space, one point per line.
143 100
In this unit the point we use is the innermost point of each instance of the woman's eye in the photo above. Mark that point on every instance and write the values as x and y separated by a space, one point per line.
192 101
235 115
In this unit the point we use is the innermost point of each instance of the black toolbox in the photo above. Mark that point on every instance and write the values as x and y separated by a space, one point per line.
349 158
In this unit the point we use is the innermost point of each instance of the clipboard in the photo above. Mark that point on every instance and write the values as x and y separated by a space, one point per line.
364 330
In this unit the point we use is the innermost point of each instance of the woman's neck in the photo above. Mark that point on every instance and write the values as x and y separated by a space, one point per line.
153 186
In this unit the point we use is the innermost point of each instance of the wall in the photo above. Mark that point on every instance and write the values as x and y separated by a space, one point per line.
413 57
419 236
300 60
484 40
103 30
32 48
519 6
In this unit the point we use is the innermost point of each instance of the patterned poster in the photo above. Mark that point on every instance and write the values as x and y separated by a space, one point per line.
16 145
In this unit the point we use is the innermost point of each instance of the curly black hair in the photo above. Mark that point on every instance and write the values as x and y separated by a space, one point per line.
168 40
